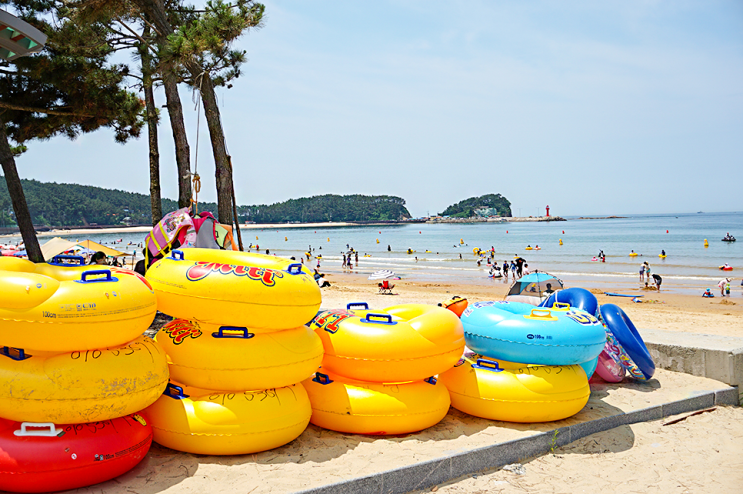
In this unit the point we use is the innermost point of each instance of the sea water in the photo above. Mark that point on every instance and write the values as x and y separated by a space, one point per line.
689 265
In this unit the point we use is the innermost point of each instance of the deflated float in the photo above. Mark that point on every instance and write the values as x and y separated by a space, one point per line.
518 332
81 386
211 422
347 405
234 359
625 346
512 392
102 308
408 342
49 458
222 287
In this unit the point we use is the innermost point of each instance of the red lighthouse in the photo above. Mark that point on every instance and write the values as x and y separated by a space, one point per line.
548 211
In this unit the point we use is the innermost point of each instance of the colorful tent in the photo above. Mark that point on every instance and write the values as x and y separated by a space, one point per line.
533 288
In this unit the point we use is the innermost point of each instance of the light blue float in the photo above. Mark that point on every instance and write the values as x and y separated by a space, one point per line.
520 332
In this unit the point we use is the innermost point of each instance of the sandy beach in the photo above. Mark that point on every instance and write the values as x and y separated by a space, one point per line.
659 310
700 454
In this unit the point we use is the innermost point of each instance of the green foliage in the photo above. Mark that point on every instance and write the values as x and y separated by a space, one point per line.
328 207
65 89
466 208
208 38
53 204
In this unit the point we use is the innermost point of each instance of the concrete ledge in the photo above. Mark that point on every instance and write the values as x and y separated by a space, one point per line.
715 357
426 474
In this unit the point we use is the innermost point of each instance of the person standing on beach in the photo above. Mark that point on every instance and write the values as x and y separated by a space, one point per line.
722 285
642 272
647 272
505 269
357 258
344 261
513 270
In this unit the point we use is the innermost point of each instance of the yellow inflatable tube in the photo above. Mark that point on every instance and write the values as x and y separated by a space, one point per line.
406 342
16 264
512 392
347 405
82 386
66 268
234 359
208 422
104 308
223 287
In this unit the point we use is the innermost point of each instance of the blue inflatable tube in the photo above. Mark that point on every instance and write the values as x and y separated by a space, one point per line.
635 356
576 297
590 367
523 333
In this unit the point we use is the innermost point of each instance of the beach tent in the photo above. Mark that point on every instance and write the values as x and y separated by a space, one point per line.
95 246
532 288
56 246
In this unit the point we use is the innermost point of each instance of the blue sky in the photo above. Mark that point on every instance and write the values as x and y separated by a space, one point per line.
591 107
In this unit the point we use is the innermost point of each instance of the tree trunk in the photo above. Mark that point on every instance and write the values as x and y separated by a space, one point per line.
18 198
149 100
155 11
223 170
182 150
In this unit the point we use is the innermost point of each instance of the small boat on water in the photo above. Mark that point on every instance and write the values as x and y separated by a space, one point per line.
728 238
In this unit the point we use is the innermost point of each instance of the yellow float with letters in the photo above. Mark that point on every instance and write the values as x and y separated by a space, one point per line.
512 392
81 386
347 405
105 307
234 359
208 422
406 342
223 287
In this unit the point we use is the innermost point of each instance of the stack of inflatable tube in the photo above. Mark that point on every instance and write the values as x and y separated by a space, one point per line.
378 373
238 351
624 351
74 372
524 355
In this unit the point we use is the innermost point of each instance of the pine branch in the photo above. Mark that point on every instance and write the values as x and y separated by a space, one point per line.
46 111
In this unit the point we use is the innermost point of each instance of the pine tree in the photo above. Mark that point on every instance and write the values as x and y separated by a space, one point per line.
60 91
202 45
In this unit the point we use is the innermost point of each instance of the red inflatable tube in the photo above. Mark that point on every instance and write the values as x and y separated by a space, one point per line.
47 458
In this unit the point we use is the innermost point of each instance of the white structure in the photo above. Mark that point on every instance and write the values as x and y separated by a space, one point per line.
18 38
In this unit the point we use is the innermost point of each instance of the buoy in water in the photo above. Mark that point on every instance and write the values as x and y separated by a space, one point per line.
666 231
285 239
560 241
461 241
706 244
377 240
328 239
563 232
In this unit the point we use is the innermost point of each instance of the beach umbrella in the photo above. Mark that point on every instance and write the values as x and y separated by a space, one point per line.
382 275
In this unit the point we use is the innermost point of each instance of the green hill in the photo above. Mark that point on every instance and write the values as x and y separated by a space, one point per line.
53 204
487 205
